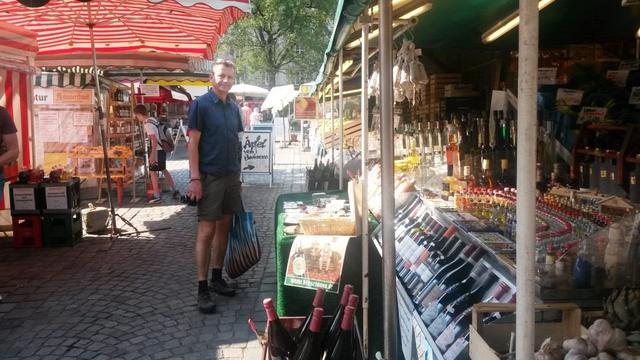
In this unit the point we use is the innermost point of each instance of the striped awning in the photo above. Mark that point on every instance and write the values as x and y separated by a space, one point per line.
188 27
62 80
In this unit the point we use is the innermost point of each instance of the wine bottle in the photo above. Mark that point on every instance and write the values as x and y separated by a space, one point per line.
459 350
344 347
279 343
356 336
318 302
486 179
634 183
334 327
505 178
464 302
310 347
430 310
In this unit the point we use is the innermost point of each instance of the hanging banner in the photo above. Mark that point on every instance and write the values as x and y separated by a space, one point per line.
256 152
73 96
316 261
42 96
305 108
150 89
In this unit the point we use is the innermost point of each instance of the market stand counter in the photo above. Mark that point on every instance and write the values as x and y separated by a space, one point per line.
294 301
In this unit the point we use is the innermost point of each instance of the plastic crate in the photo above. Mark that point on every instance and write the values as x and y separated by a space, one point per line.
62 229
61 197
25 199
27 231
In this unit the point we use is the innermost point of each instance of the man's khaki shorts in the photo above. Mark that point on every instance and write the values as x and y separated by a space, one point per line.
220 196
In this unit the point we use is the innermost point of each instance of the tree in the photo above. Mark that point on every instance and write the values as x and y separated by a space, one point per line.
280 36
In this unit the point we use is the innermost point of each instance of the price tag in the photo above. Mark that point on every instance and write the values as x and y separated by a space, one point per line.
619 77
547 76
569 97
592 114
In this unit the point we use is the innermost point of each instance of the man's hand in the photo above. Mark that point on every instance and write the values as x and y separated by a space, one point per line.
194 190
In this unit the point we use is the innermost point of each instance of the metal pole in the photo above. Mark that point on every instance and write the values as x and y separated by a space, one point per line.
340 115
364 139
102 131
390 314
526 200
333 128
322 118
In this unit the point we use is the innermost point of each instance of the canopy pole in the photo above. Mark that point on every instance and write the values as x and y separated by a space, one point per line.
340 115
364 132
322 119
102 126
526 199
390 315
333 128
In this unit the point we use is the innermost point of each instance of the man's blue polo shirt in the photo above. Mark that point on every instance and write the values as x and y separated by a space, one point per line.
219 123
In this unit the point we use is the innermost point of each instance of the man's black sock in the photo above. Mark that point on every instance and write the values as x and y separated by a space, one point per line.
203 287
216 274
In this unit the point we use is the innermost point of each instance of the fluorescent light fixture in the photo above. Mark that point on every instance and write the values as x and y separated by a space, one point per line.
417 11
355 43
345 66
638 33
509 23
375 10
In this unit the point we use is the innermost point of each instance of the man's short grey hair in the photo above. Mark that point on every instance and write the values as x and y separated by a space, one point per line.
225 63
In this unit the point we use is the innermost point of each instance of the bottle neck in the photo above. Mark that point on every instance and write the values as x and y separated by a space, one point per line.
316 320
347 319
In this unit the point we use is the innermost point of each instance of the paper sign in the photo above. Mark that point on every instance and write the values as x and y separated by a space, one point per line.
569 97
48 125
24 198
629 65
42 96
619 77
83 118
55 197
634 99
316 261
150 89
592 114
256 152
547 76
73 96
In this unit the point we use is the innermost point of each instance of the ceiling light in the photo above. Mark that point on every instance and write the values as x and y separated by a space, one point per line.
417 11
509 23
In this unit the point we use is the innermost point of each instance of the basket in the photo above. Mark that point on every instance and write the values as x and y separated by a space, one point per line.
489 342
336 226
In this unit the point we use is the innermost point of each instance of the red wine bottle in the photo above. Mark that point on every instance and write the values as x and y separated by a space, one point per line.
334 328
355 332
310 347
279 343
318 302
344 347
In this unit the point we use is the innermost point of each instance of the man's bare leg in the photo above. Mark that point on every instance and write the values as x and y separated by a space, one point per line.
218 252
204 238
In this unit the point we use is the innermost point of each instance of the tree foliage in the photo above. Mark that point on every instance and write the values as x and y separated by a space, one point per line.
280 36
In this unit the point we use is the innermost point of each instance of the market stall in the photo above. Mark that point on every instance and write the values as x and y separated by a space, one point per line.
459 132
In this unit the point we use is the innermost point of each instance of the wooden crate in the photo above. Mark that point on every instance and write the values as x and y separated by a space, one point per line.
488 342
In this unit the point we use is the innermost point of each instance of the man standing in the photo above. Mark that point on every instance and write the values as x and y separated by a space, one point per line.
214 149
246 116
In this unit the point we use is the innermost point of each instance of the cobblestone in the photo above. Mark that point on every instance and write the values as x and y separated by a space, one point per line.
134 297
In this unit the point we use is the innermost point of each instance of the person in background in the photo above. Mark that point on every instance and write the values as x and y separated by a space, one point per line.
246 116
9 148
215 127
256 116
157 156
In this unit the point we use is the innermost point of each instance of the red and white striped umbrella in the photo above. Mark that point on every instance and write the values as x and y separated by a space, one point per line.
187 27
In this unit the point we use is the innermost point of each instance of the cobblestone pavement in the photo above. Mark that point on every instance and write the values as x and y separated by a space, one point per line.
135 297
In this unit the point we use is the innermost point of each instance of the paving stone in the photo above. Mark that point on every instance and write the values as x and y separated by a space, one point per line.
135 297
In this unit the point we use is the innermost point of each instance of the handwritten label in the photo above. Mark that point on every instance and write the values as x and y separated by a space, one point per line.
619 77
592 114
547 76
256 152
569 97
24 198
56 197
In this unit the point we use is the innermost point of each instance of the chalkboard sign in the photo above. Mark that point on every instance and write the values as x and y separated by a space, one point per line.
256 152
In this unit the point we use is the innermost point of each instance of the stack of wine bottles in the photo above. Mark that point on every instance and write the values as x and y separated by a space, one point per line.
444 276
319 337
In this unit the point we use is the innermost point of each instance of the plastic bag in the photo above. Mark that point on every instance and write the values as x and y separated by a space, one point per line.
243 249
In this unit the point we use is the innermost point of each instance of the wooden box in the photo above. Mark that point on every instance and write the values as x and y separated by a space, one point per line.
490 342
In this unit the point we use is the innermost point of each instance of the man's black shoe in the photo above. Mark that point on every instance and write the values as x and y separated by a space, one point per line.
206 303
221 287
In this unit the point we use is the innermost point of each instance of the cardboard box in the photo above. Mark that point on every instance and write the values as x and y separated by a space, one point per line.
489 342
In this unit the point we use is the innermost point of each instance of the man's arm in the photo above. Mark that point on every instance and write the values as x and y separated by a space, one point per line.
11 142
194 153
153 156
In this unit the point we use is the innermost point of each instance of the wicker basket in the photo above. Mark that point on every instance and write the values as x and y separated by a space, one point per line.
337 226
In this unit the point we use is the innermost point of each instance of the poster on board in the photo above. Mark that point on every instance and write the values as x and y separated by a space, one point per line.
305 108
256 152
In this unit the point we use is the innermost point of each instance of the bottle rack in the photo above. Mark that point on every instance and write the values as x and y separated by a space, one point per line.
414 333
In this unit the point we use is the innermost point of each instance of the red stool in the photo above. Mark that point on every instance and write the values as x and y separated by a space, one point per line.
27 231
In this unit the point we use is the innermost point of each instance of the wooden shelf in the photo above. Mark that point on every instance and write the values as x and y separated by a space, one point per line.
632 160
608 155
608 127
123 135
120 103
